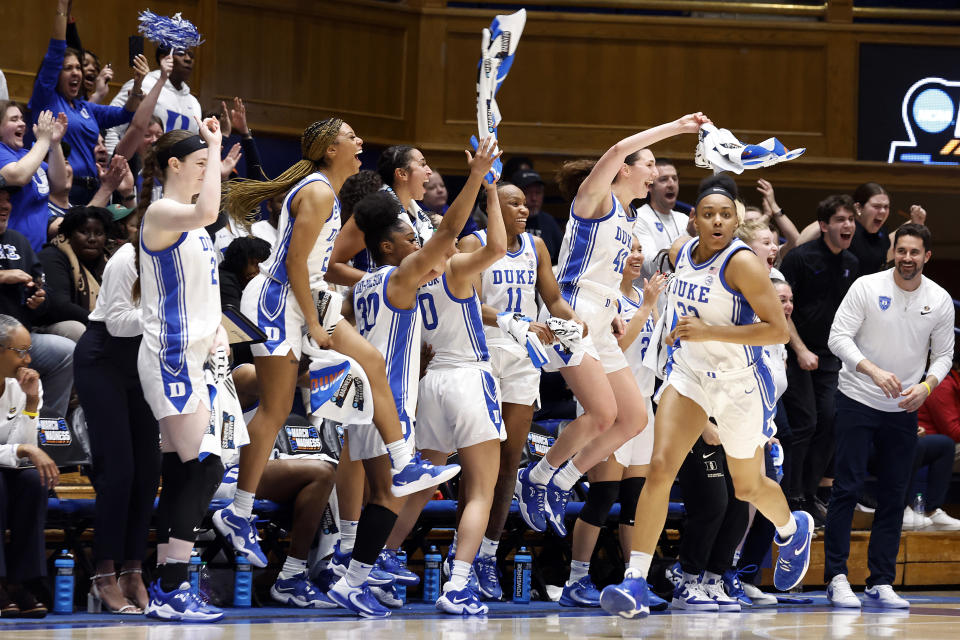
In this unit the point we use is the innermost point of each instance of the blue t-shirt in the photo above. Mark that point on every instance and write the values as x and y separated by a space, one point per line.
85 119
30 213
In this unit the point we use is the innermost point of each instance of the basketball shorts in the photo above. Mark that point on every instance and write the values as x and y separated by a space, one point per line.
458 408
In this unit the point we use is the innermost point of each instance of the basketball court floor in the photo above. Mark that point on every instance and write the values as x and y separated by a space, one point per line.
933 616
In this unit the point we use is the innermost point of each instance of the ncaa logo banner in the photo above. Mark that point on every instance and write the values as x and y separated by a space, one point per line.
929 111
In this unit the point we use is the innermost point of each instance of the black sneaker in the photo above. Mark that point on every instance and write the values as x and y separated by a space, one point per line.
29 606
8 608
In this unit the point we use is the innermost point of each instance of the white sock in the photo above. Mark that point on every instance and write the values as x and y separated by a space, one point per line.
357 573
452 551
488 547
787 530
461 574
578 570
400 454
348 535
542 472
567 476
710 575
243 503
639 565
291 567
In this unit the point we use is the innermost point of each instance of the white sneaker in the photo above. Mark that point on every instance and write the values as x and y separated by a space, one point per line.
691 596
840 594
883 595
942 521
713 587
760 599
913 520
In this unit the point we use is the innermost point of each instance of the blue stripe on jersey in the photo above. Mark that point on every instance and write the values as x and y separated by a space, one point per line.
768 395
493 400
174 329
533 248
398 363
584 234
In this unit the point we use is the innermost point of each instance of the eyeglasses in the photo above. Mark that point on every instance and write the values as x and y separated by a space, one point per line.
20 352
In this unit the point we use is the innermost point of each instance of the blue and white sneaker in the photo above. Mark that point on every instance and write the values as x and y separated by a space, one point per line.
734 588
532 500
883 595
387 596
357 599
690 596
675 574
421 474
241 534
713 587
557 500
655 602
180 604
299 591
389 562
460 601
340 562
325 579
794 557
581 593
627 599
488 578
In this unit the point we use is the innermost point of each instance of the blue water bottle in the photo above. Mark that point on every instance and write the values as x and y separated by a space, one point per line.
776 453
522 562
431 574
193 572
242 583
63 583
402 588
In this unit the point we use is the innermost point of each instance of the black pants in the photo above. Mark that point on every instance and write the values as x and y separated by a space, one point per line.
810 401
715 520
124 439
893 437
935 452
23 511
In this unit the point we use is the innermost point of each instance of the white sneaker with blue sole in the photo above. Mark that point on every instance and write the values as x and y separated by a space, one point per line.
241 533
883 596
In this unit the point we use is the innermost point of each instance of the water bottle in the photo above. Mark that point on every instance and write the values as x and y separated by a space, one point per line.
242 583
522 562
193 572
402 588
919 508
776 452
63 583
431 574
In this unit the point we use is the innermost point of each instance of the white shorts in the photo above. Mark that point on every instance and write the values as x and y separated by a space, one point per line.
518 379
365 441
598 314
275 310
637 450
458 408
741 401
174 389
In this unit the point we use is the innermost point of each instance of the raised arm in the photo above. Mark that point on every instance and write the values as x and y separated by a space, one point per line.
463 267
141 118
56 162
21 172
594 193
652 289
775 213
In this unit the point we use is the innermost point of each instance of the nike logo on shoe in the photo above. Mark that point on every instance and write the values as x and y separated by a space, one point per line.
801 548
460 600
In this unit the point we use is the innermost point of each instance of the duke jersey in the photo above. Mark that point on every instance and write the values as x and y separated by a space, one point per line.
275 267
453 327
396 334
638 349
593 254
701 290
510 284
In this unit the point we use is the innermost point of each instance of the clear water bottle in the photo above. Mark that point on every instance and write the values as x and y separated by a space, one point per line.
63 583
402 588
243 583
522 563
919 508
431 574
776 453
193 572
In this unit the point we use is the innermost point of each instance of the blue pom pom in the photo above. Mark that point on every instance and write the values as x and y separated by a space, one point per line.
173 33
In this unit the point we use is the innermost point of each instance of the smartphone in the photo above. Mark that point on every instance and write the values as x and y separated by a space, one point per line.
135 45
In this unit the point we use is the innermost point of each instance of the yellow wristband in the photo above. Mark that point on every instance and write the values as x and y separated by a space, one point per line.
929 390
30 414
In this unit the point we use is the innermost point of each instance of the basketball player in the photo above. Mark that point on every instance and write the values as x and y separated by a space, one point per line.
180 303
721 310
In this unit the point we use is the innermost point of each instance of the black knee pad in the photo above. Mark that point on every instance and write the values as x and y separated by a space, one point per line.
629 494
374 527
600 498
199 481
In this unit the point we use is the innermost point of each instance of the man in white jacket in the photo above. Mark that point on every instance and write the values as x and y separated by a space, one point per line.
176 107
882 332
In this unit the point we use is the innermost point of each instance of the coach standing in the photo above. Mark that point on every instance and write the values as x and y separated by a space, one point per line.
882 333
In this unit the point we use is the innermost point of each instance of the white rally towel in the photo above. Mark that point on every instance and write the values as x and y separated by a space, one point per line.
517 327
339 388
720 150
567 351
227 430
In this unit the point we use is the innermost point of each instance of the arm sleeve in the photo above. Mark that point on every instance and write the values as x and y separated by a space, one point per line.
941 342
108 115
252 155
45 85
112 138
942 409
791 267
22 431
124 318
59 288
33 266
641 231
846 323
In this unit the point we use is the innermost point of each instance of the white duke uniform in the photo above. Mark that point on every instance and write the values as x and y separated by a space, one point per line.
459 401
396 334
180 299
510 285
731 382
592 256
268 298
